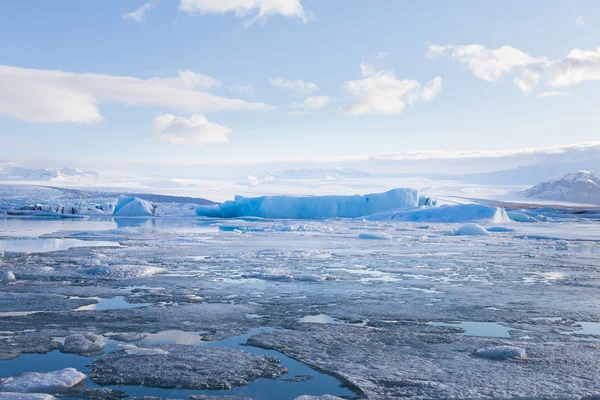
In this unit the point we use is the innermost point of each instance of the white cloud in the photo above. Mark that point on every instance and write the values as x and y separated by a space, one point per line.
491 65
55 96
553 94
313 103
194 130
139 14
579 21
297 85
380 92
260 8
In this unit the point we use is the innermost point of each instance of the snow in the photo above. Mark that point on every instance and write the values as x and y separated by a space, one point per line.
314 207
26 396
501 352
7 276
471 230
375 236
32 382
84 343
446 213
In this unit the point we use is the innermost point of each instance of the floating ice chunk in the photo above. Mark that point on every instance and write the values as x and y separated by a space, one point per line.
1 254
7 276
141 351
84 343
133 207
26 396
471 230
123 271
448 213
520 217
501 352
375 236
314 207
128 336
35 382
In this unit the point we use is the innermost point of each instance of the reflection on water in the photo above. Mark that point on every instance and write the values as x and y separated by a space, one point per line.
115 303
484 329
34 227
47 245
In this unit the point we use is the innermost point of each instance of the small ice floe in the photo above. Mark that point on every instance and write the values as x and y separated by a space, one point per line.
84 344
127 336
36 382
471 230
7 276
375 236
501 352
142 351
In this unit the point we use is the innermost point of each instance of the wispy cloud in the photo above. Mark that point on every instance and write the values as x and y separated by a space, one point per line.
553 94
297 85
139 15
313 103
36 95
579 21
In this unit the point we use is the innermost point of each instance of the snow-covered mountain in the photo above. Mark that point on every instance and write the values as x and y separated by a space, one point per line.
13 172
579 187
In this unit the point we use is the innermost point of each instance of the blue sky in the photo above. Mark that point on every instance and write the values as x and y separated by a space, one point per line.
405 97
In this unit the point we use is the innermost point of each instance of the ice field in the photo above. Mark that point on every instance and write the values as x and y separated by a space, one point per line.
391 305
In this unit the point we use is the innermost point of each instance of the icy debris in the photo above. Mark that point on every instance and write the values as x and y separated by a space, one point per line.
471 230
7 276
84 344
26 342
123 271
26 396
449 214
188 367
33 382
127 336
314 207
375 236
501 352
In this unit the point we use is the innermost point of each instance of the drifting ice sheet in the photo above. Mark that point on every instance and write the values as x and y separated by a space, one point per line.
314 207
32 382
448 214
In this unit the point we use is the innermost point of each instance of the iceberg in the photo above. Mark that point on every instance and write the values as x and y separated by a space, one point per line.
133 207
448 214
25 396
313 207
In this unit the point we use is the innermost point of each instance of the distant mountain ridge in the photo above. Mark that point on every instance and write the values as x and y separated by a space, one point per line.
578 187
17 173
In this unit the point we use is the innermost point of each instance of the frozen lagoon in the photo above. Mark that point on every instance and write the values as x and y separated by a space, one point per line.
396 317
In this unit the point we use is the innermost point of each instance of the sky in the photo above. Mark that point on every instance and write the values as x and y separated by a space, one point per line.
187 81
